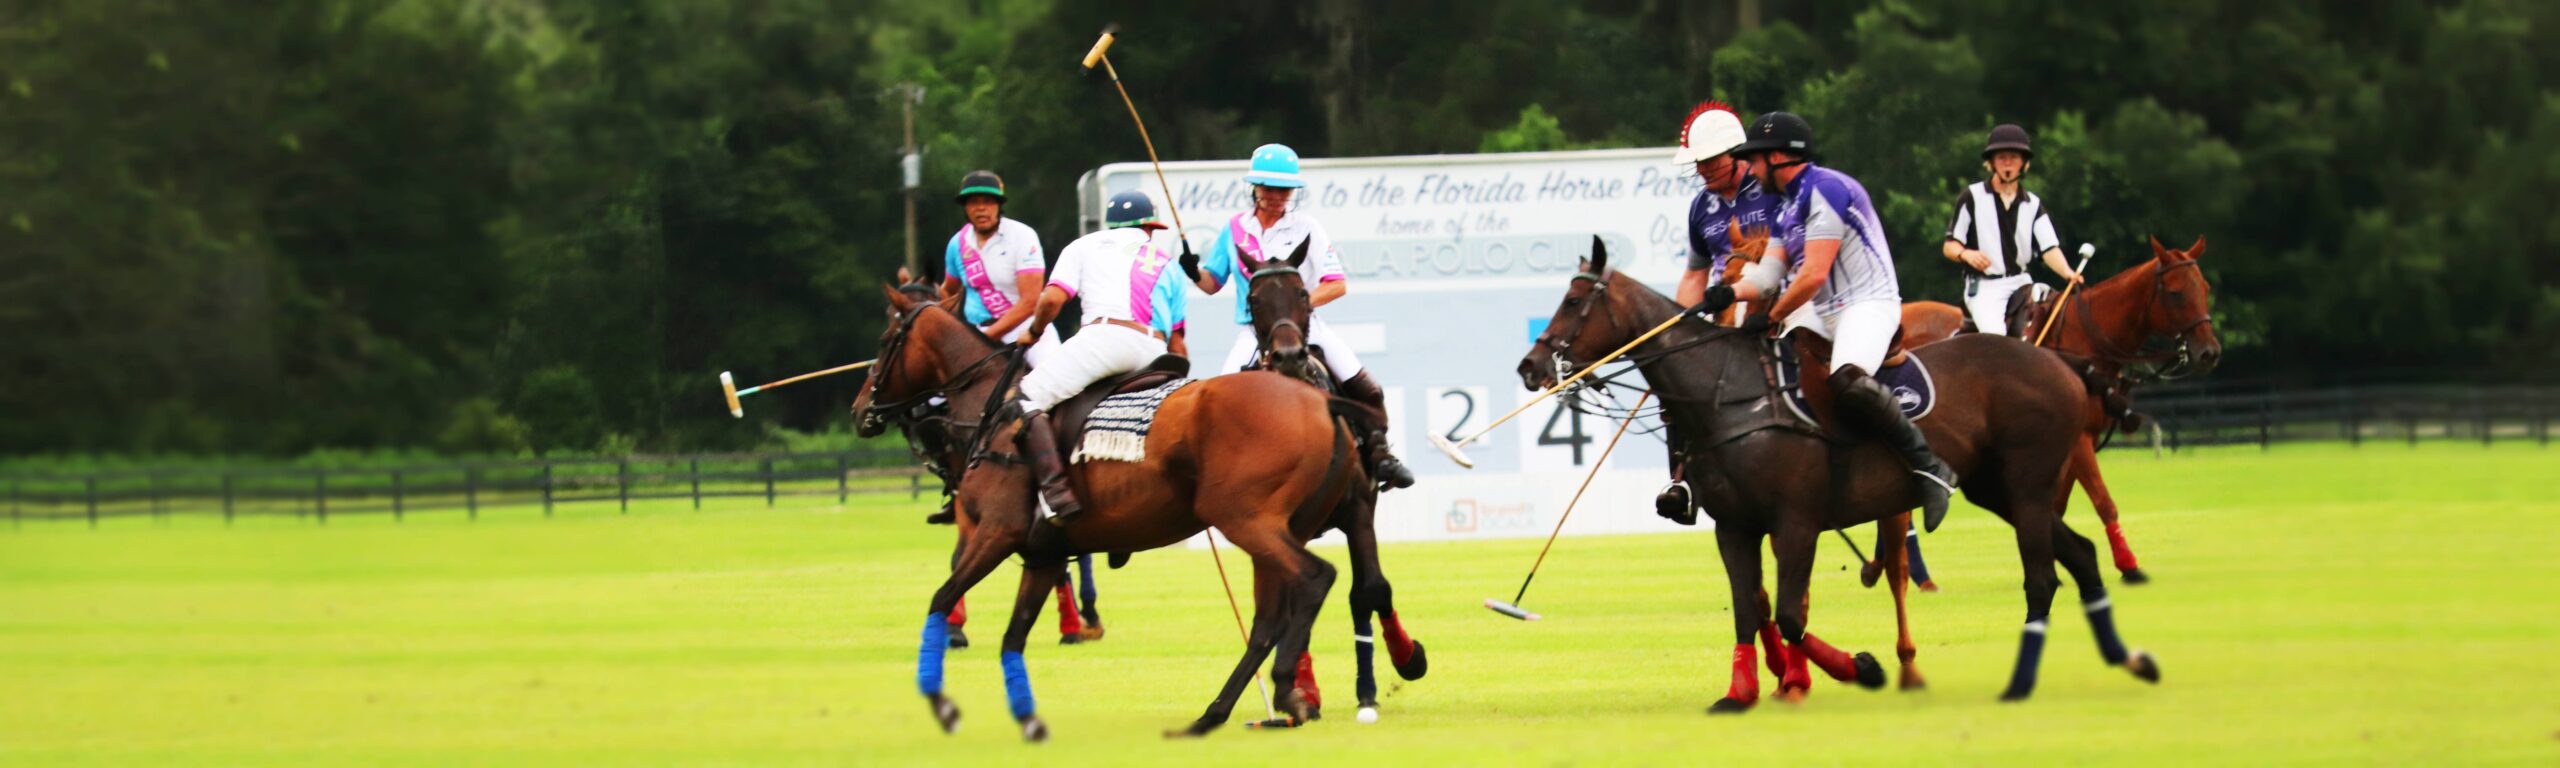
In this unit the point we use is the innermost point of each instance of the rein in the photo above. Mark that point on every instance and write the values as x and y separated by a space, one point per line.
2179 356
892 353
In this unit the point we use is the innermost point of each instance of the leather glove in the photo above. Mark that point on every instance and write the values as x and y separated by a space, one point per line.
1757 324
1718 297
1190 261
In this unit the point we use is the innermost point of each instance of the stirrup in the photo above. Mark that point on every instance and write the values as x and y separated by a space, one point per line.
1682 508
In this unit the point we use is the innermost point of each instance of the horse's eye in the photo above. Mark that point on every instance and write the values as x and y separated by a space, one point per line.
1573 301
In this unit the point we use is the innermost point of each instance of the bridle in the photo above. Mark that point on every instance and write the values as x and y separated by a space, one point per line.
2180 358
893 353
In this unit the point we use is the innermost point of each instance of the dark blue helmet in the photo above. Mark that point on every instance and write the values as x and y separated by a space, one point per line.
1128 209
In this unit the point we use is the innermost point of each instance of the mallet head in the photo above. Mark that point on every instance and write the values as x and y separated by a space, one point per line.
2088 249
729 389
1510 610
1100 46
1452 450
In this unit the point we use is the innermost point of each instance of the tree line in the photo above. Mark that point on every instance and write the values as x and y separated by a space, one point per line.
480 226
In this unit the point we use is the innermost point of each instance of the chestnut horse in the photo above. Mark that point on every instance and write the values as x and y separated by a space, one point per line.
1261 459
1765 476
939 435
2105 329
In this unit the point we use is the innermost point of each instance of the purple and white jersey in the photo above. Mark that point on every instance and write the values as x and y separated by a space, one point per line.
1828 205
1120 274
1711 214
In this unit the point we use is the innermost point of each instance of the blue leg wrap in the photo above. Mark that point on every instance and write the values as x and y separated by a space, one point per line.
1084 591
2102 622
937 639
2030 653
1017 685
1911 546
1365 649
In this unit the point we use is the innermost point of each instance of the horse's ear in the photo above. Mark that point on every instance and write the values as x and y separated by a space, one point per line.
2158 250
951 303
1251 263
2194 251
1599 257
1299 256
897 299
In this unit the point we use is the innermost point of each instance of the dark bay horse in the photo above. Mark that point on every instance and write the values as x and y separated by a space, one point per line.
1282 309
1764 476
1265 461
939 435
2108 329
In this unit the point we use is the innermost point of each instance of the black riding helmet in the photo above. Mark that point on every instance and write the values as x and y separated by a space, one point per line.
2010 138
1777 131
980 182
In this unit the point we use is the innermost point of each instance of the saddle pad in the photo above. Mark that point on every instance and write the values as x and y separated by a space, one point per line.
1117 429
1909 382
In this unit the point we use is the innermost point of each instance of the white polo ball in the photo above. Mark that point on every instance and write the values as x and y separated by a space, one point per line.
1368 715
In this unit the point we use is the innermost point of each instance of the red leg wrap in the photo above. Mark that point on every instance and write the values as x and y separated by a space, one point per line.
1307 681
1069 623
1777 649
1399 645
1746 675
959 613
1797 677
2123 551
1834 663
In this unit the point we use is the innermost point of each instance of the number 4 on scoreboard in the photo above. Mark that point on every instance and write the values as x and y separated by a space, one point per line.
1573 435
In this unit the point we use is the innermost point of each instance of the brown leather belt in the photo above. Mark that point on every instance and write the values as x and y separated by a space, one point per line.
1151 332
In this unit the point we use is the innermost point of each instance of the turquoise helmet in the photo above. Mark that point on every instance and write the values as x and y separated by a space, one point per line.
1274 165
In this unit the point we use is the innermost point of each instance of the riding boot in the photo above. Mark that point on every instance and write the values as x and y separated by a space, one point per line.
947 516
1675 503
1040 444
1874 411
1392 472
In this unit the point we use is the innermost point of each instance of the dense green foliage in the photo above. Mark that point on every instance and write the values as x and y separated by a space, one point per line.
2313 606
497 225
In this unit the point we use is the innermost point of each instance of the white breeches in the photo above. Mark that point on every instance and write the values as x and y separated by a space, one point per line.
1337 353
1040 350
1098 352
1859 333
1987 300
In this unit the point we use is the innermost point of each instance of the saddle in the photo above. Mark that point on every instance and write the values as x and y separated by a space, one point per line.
2028 310
1798 366
1068 417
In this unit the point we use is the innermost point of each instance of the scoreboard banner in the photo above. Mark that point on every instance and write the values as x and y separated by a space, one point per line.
1455 264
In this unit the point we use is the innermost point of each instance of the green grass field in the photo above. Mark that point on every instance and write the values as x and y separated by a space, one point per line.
2313 604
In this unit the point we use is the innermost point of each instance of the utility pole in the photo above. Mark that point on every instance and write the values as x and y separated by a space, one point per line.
911 169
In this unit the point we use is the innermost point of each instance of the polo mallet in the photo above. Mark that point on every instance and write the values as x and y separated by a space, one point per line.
1457 450
2086 250
1099 55
1513 609
729 386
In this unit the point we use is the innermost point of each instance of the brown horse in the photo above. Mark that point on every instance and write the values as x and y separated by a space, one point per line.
2106 329
1764 476
939 435
1261 459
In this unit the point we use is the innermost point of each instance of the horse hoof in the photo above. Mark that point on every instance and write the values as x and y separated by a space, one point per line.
1729 706
2136 576
1870 673
1413 666
1367 715
1868 574
1033 730
945 712
1911 680
2144 666
1793 695
1074 639
959 639
2013 696
1929 586
1196 729
1092 632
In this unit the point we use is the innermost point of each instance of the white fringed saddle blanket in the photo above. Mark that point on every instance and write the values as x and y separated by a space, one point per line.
1117 430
